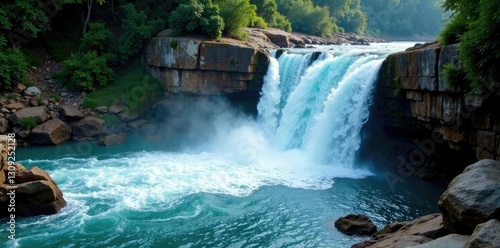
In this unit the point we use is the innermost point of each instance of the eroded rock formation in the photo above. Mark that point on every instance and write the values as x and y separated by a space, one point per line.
25 192
203 67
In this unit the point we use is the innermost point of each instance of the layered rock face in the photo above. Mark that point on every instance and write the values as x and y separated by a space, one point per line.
201 67
26 192
445 127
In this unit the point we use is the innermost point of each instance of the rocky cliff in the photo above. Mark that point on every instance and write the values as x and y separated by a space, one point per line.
430 125
196 66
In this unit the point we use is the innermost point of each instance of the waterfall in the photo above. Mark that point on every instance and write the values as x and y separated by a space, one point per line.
318 107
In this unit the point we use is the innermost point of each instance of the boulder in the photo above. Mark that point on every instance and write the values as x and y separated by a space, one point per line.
395 242
53 132
485 235
35 191
32 91
4 125
472 197
89 126
39 197
448 241
33 174
71 113
114 109
113 139
278 37
101 109
37 113
23 134
355 224
19 88
16 105
408 233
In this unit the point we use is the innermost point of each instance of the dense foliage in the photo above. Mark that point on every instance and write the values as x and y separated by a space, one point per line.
268 10
12 67
198 16
347 14
114 32
237 15
477 26
136 29
86 71
90 67
308 18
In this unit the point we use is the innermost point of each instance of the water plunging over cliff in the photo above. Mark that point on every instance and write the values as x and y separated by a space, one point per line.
226 179
318 107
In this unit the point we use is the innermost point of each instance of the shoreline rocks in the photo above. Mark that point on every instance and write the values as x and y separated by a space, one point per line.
36 193
355 224
470 211
472 197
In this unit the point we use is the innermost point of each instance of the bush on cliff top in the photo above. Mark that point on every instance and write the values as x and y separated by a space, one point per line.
478 30
197 16
237 15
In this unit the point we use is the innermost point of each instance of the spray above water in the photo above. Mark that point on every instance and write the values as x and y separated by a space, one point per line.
306 134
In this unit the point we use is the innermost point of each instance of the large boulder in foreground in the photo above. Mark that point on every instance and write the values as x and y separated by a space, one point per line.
38 114
53 132
40 196
89 126
355 224
472 197
34 190
485 235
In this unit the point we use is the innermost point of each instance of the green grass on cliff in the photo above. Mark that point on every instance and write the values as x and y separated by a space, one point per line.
133 88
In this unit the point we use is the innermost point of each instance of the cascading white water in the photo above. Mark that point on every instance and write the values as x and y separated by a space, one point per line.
318 108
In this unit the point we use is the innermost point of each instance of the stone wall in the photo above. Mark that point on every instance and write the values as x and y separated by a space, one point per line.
431 123
203 67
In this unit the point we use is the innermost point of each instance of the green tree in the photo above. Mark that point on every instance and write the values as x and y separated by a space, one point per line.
200 16
308 18
136 29
347 13
237 15
268 9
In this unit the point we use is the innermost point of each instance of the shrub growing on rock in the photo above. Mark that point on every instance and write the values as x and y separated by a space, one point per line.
197 16
476 24
237 15
27 123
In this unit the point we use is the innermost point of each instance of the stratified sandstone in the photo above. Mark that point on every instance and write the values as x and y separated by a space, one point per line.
204 67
